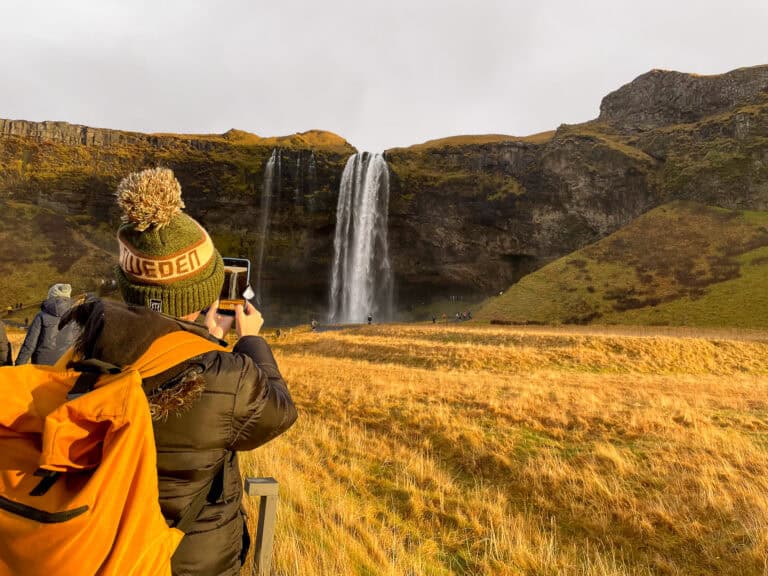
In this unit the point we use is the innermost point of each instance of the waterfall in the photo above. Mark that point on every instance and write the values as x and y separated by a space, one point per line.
312 176
361 277
310 184
297 189
269 184
234 290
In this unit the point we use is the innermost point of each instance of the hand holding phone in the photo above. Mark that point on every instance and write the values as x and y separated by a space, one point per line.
218 324
248 320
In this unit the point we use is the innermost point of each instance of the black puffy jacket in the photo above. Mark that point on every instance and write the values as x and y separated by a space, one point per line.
44 342
206 410
6 352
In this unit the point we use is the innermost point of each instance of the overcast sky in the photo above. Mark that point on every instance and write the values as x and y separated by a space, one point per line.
379 73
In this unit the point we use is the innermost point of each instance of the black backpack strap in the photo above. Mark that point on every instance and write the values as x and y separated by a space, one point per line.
49 478
185 520
90 371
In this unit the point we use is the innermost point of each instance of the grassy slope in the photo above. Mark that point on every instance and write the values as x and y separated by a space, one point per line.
300 140
520 452
681 264
473 140
39 247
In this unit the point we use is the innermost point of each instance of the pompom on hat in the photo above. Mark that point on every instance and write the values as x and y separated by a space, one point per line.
167 260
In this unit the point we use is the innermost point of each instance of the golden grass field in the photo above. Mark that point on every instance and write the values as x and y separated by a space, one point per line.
477 450
466 449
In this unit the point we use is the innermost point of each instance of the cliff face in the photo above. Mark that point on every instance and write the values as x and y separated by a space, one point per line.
56 172
468 215
472 217
661 97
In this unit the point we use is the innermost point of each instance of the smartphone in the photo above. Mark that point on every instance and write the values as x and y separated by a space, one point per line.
237 285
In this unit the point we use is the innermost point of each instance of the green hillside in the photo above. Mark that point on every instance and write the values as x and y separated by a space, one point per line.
39 247
682 263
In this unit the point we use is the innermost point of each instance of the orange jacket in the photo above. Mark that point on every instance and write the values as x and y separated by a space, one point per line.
101 516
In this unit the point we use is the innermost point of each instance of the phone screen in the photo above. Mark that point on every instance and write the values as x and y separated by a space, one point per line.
237 279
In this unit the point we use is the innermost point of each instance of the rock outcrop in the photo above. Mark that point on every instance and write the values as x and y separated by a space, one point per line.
662 97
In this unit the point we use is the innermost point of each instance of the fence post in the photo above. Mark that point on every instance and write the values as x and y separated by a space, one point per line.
266 490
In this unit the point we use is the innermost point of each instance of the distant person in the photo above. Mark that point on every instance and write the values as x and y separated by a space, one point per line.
434 319
278 333
370 318
45 343
6 352
313 324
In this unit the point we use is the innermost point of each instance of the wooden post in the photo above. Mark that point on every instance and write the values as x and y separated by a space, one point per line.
266 490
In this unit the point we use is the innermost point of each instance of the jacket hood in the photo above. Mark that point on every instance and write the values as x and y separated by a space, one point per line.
60 290
57 306
119 334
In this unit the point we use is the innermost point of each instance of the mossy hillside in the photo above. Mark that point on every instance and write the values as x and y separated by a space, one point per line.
478 139
468 172
39 247
718 160
681 264
229 165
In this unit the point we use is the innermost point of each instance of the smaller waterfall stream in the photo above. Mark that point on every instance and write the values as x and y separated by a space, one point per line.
312 175
269 184
297 190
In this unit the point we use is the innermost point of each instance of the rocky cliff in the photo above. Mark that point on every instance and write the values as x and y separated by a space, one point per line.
468 215
479 212
471 216
57 182
662 97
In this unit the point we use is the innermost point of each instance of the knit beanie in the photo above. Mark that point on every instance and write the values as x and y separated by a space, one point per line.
60 291
167 260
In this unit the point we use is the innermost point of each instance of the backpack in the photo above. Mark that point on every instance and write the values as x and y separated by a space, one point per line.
78 472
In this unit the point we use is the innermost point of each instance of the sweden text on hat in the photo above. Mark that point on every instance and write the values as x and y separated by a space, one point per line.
167 259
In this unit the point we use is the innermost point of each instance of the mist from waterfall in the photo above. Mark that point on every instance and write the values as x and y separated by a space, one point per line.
361 277
269 184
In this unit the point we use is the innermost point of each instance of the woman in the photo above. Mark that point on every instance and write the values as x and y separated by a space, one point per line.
44 342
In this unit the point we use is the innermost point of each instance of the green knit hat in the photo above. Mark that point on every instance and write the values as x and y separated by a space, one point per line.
167 260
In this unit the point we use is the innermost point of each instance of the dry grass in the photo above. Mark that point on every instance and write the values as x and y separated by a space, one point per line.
463 449
455 449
